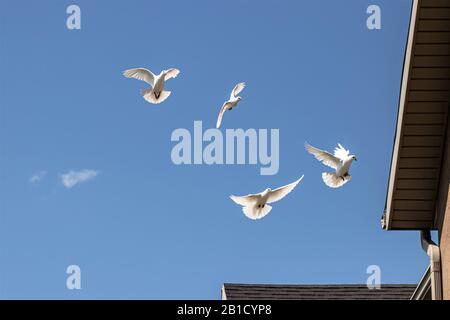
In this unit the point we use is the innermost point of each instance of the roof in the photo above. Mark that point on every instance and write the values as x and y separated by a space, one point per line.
422 119
316 292
423 290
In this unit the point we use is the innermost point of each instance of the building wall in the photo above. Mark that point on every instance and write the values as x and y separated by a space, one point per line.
445 251
443 218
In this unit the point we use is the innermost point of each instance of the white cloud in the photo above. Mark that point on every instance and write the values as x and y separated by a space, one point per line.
38 176
72 177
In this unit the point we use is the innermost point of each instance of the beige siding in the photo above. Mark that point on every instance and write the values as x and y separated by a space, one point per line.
443 219
445 251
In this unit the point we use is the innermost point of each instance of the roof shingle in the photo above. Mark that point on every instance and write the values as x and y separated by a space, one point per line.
317 292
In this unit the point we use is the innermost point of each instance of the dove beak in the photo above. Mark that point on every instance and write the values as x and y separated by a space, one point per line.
356 159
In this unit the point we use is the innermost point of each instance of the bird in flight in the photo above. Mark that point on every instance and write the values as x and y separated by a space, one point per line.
231 103
255 206
340 162
156 94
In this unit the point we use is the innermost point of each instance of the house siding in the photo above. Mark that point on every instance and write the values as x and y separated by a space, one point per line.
445 252
443 219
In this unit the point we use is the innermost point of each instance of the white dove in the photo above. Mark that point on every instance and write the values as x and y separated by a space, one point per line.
156 94
255 206
231 103
340 161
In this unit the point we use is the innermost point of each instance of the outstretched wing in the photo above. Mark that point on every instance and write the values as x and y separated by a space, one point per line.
327 158
222 111
245 201
237 89
171 73
281 192
140 74
340 152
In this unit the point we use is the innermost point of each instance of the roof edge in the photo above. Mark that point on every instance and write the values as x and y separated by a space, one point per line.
401 109
423 287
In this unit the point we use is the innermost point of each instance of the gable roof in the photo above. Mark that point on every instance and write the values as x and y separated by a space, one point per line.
316 292
422 119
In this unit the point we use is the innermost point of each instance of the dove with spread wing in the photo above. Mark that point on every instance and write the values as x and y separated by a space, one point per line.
255 206
231 103
340 162
156 93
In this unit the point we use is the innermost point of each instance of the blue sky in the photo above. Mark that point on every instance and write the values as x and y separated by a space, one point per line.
142 227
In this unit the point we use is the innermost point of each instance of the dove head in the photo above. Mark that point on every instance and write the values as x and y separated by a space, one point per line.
353 157
239 98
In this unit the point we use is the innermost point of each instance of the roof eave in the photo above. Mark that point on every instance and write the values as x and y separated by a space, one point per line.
387 217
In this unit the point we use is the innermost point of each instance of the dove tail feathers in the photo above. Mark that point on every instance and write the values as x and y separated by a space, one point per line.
149 95
333 180
255 213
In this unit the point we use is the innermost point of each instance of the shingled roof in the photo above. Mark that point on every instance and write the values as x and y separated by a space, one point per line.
316 292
